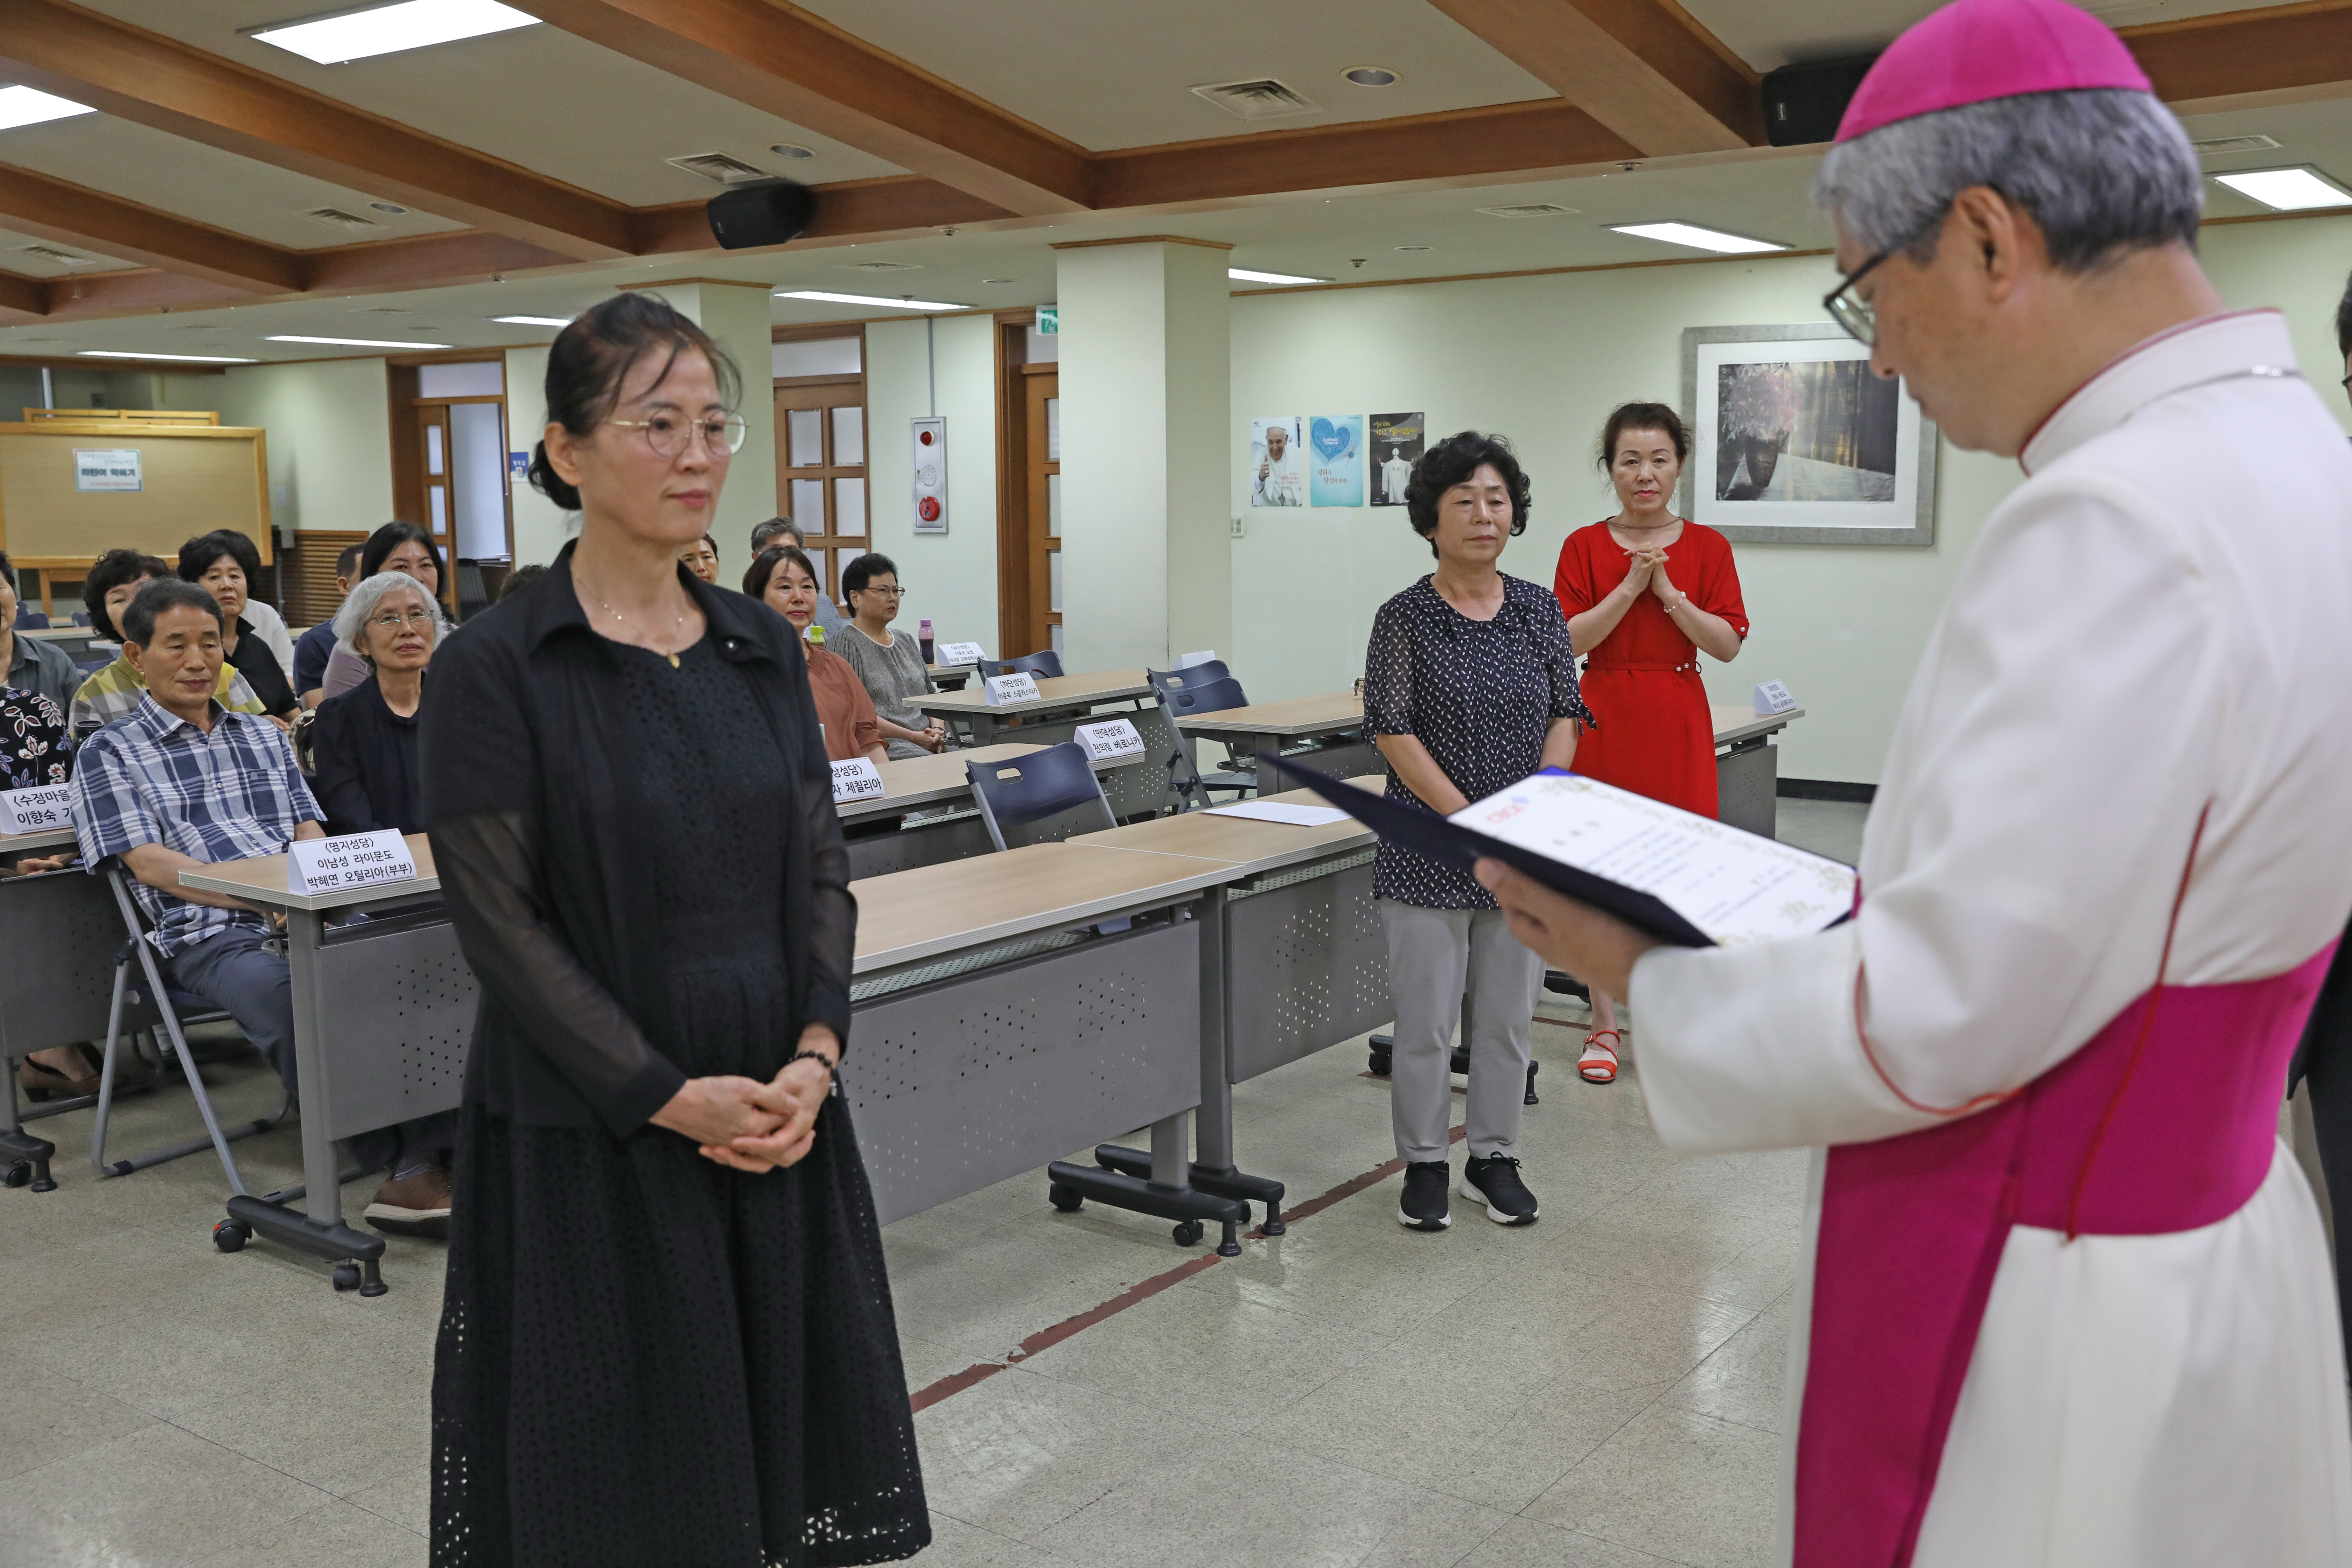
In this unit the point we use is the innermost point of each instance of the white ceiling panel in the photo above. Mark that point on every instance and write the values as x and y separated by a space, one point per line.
1121 75
159 170
536 97
1768 34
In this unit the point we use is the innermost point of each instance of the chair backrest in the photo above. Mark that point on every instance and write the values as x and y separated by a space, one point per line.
1023 790
81 618
1045 663
1208 697
31 619
1189 676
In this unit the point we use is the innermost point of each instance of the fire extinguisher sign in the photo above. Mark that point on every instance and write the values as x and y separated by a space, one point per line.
931 446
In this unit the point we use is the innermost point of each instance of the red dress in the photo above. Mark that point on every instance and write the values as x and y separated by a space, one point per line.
1655 736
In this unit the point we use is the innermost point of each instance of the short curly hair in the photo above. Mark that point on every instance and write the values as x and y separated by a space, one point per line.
1452 462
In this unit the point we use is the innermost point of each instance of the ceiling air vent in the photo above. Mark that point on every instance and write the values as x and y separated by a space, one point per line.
2215 146
336 217
1529 209
718 168
885 265
1265 98
51 253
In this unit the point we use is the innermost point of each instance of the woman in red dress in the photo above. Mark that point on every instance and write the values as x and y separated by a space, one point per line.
1644 593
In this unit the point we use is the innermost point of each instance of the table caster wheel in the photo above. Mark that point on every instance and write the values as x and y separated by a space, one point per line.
347 1276
1065 1198
1188 1232
230 1236
19 1174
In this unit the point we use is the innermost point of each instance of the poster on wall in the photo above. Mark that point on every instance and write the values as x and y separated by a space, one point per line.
1336 454
1795 442
1393 444
1277 461
107 468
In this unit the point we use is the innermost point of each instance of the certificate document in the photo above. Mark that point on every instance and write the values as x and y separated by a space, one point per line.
1736 887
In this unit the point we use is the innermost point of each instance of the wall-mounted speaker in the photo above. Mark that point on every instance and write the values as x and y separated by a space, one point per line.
1805 104
762 212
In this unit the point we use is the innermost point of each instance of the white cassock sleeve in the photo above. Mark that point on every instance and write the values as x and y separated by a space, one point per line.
2063 730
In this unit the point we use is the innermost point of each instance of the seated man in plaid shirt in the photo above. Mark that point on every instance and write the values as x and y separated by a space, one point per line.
181 782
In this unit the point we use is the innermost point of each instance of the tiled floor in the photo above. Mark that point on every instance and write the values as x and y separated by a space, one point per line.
1601 1390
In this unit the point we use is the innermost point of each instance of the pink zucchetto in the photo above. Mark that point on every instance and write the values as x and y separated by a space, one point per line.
1977 50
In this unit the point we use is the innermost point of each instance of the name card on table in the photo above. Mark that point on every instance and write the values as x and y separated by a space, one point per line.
1111 738
37 810
316 866
856 779
948 653
1019 687
1772 697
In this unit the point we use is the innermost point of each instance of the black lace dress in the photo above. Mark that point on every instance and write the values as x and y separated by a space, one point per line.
647 1359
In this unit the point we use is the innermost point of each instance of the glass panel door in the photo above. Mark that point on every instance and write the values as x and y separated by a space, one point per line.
821 466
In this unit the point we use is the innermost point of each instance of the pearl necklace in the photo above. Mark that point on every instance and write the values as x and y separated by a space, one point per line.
678 628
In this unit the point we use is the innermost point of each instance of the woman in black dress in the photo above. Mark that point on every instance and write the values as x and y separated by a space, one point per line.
666 1337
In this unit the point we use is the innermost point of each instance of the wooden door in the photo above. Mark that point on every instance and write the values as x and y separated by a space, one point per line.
434 457
1042 386
821 469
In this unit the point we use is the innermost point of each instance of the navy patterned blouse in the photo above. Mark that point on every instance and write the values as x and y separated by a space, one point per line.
1480 696
33 746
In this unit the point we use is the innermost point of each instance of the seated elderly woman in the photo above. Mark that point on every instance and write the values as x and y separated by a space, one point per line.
113 691
364 742
781 578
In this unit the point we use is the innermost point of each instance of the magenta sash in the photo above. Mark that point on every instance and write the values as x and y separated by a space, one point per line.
2160 1123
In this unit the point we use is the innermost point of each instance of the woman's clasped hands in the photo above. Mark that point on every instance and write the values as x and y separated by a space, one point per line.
751 1126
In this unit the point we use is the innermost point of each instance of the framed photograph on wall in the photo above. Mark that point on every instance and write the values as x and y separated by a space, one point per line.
1793 441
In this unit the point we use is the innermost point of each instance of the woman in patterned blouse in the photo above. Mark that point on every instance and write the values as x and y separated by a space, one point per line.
34 751
1469 687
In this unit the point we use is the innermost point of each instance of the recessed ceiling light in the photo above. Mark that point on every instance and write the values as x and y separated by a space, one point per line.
534 321
1369 75
791 150
351 343
1698 239
395 208
2288 190
30 106
387 29
1416 247
832 298
1244 275
183 358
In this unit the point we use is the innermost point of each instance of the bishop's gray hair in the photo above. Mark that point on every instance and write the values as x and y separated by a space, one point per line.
368 592
2101 171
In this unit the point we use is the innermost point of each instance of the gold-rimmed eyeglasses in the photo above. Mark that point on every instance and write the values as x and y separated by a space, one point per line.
668 434
1849 310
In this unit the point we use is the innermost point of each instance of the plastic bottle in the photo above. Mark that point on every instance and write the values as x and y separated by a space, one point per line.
925 641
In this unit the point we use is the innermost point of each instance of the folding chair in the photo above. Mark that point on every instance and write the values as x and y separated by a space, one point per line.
166 1002
1046 664
1021 792
29 619
1186 782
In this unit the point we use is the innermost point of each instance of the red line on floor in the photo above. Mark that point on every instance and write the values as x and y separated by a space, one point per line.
955 1383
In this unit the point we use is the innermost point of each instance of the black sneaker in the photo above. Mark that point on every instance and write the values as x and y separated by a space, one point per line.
1423 1204
1493 1180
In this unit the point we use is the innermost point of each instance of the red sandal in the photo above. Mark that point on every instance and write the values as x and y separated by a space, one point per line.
1599 1062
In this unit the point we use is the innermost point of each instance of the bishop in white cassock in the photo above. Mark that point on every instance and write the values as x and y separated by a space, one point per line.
2067 1301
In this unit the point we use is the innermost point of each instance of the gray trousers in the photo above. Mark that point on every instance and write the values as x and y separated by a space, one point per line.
1435 957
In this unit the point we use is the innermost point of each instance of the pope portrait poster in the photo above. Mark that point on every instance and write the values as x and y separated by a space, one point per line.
1277 461
1393 444
1334 453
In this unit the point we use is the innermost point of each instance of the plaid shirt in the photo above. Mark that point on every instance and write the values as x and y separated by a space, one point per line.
227 795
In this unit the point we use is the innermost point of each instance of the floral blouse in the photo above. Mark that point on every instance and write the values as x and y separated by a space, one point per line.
34 750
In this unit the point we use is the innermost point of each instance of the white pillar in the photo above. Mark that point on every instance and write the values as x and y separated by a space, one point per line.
1146 388
736 316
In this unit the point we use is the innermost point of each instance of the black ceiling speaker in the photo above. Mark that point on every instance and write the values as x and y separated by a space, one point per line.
1805 104
762 212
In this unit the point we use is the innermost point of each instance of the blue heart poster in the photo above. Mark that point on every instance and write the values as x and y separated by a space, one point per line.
1335 460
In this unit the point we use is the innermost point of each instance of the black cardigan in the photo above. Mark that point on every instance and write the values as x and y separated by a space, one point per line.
532 805
368 773
260 665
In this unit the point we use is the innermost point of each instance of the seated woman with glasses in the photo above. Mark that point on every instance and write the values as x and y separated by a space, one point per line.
364 742
891 666
402 547
782 578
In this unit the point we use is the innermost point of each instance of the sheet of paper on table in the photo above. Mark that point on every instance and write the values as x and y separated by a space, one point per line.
1278 811
1737 888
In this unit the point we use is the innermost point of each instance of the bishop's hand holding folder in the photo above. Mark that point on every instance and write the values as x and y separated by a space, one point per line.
1668 875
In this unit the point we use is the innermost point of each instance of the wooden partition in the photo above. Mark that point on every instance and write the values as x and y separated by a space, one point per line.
194 477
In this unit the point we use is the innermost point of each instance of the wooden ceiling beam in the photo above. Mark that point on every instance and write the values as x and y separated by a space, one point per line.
2235 53
161 83
73 215
23 300
785 62
1643 69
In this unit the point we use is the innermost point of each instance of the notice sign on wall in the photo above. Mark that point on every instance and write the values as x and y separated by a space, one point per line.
107 468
